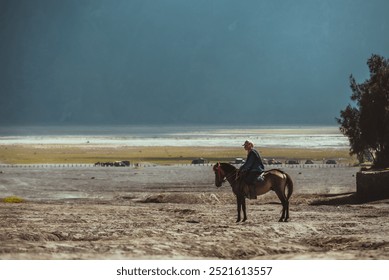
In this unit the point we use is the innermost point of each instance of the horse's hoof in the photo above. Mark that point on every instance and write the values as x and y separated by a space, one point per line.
244 220
237 221
280 220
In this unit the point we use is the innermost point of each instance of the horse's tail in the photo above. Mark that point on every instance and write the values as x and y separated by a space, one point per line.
289 184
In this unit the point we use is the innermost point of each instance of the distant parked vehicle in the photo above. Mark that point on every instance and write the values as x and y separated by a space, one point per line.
273 161
292 161
121 163
239 160
199 161
308 161
104 164
331 161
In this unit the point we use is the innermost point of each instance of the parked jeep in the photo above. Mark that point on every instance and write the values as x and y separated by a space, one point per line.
292 161
199 161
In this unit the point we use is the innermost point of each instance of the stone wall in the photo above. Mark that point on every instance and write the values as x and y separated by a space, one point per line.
372 185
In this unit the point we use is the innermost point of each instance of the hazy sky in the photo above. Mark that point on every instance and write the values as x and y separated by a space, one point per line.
184 61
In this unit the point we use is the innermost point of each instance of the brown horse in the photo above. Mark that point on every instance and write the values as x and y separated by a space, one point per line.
274 180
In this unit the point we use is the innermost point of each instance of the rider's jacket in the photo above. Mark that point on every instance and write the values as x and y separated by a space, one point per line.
253 162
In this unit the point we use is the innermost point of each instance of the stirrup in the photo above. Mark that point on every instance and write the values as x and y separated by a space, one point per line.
260 178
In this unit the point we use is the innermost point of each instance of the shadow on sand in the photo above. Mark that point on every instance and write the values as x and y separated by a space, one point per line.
343 199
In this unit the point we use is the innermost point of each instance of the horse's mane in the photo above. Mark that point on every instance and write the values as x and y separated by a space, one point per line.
228 168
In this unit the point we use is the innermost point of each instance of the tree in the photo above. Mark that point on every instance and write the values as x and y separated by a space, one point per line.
366 121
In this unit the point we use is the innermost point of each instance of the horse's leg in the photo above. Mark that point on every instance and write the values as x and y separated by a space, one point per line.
286 206
244 208
239 205
283 200
287 211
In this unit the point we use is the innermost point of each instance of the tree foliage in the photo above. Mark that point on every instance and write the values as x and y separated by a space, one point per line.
366 121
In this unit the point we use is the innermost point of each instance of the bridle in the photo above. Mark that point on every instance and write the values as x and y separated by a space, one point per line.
221 171
221 174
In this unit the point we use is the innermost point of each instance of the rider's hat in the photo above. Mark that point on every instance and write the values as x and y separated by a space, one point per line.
248 142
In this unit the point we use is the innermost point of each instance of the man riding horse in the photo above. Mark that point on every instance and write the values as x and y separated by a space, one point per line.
252 169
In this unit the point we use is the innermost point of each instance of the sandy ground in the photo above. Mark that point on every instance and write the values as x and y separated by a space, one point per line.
176 212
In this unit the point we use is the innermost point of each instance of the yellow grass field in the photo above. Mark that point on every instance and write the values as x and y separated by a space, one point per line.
39 154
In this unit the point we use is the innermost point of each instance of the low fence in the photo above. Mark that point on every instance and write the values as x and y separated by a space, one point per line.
79 165
68 165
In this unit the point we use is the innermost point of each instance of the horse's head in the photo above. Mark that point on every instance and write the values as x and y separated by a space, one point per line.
219 175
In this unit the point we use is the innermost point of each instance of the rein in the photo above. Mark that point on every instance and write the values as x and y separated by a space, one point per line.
228 176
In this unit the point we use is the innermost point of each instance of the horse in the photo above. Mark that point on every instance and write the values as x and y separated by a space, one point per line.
274 180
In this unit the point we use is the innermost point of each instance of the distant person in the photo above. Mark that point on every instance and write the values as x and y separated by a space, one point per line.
252 168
